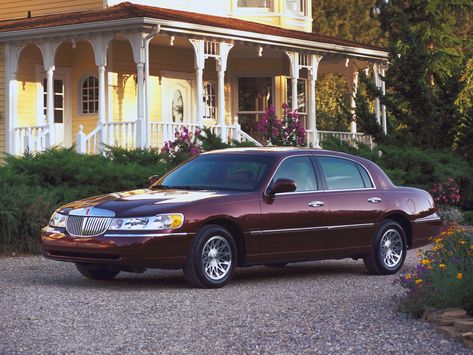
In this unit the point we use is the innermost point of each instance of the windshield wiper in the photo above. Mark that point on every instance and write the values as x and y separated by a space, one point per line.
161 187
188 187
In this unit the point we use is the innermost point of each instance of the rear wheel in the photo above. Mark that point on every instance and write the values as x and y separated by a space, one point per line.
211 259
96 272
388 251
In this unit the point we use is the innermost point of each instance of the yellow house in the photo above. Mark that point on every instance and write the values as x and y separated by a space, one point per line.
131 73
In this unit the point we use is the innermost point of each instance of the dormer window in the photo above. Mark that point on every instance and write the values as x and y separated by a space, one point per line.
296 7
256 4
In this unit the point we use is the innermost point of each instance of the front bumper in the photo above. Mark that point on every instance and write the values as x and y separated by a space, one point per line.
133 250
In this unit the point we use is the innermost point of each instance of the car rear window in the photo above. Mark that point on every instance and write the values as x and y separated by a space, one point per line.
343 174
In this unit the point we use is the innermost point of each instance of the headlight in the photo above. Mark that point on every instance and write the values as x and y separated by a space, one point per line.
161 221
58 220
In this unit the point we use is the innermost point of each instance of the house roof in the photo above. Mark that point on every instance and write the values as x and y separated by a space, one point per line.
128 10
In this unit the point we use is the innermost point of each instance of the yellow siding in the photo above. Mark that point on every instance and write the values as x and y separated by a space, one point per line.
30 57
17 9
2 101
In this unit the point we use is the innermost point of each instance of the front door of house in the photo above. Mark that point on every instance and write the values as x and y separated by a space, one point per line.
59 116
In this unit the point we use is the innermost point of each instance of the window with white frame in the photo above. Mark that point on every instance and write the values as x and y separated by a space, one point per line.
256 4
301 98
210 101
90 95
296 6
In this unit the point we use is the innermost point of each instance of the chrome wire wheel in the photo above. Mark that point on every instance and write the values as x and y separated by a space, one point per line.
391 248
216 258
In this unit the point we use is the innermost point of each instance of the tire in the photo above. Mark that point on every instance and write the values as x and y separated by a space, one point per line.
212 258
96 272
388 251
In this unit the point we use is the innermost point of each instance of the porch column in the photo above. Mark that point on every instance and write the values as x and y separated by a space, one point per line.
147 118
383 107
50 106
137 41
224 49
377 83
100 44
354 91
294 72
313 70
48 50
199 49
12 55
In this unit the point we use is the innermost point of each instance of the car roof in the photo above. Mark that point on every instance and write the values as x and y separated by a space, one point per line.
280 151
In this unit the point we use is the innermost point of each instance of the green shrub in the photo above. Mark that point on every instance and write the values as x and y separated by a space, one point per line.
410 166
31 187
444 277
468 217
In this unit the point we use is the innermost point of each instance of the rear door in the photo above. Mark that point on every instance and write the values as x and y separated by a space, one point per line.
354 203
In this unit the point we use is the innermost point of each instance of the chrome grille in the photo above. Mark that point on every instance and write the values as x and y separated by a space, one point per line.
79 226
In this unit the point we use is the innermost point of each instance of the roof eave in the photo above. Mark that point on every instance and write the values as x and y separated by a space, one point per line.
195 29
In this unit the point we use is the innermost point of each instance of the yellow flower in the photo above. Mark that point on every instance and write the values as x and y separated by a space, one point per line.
429 267
419 281
425 261
462 242
408 276
471 247
442 266
438 240
459 276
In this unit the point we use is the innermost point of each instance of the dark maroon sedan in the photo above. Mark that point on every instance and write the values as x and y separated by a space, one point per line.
240 207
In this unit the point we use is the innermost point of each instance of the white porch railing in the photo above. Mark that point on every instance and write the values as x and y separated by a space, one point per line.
30 139
88 143
122 134
348 137
161 132
245 137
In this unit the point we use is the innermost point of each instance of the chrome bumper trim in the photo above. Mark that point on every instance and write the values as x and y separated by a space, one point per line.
431 218
311 229
149 235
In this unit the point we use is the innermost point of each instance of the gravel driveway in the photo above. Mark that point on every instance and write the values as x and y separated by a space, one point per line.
317 307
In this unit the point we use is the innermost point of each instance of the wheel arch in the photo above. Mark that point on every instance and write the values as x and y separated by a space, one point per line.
236 233
402 219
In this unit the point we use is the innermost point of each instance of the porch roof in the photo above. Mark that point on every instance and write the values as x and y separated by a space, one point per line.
213 25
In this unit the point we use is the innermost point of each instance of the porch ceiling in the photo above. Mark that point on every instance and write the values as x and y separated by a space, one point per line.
127 15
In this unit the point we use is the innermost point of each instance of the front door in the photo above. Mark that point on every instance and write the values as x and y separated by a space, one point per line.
59 105
292 223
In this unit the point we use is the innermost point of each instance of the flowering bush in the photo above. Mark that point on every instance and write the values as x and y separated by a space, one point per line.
446 193
288 131
444 276
185 145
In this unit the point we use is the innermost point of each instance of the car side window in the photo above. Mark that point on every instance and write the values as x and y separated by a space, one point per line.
300 170
343 174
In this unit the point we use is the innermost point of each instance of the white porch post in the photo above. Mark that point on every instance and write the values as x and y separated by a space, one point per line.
377 82
354 91
99 44
314 67
12 55
383 107
224 49
48 50
199 49
137 41
50 106
147 118
294 72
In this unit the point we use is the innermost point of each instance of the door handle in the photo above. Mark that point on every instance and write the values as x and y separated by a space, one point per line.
374 200
316 204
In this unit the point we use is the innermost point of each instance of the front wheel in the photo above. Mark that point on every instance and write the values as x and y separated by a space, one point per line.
388 251
95 272
211 259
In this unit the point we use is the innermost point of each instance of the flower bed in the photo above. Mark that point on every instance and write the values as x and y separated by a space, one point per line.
444 276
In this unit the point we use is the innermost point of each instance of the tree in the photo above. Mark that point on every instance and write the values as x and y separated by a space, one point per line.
347 19
428 61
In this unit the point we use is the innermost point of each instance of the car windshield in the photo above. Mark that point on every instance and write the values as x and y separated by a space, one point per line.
238 172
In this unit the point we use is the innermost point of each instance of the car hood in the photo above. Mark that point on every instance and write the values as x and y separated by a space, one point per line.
142 202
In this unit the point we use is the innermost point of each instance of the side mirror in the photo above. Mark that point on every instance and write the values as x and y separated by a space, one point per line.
282 185
153 179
